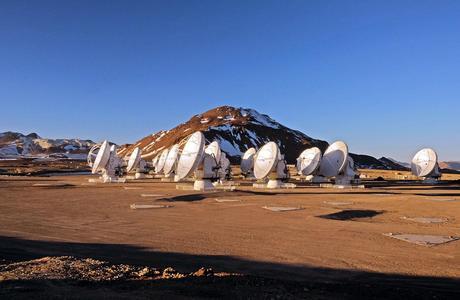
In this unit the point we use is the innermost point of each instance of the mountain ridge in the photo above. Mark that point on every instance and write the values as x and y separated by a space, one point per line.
15 144
238 129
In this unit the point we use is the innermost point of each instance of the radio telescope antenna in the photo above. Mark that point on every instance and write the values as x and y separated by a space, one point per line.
137 164
92 154
425 165
225 171
193 159
337 163
247 162
308 163
161 161
171 161
334 159
108 163
154 163
191 155
213 149
102 157
270 164
134 159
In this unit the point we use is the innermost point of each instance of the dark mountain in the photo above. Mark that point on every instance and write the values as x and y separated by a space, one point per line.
238 129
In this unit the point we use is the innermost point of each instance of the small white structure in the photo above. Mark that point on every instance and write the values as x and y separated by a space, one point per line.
337 163
270 164
169 168
136 164
247 163
154 163
425 165
225 172
106 162
161 162
194 160
222 163
308 163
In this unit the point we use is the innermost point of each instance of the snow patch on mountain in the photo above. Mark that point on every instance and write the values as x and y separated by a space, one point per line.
15 144
259 118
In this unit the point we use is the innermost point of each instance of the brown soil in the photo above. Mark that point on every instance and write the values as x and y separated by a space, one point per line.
34 167
72 239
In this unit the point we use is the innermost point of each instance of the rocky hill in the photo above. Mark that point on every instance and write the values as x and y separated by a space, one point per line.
15 144
394 165
238 129
452 165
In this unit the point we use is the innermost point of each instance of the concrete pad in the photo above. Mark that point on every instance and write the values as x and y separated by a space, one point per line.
151 195
148 206
338 203
342 186
190 187
423 239
443 199
281 208
283 186
426 220
51 184
185 187
230 188
227 200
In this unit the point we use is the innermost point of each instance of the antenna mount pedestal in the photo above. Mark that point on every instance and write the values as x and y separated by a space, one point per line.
344 179
139 175
203 184
430 180
168 178
316 179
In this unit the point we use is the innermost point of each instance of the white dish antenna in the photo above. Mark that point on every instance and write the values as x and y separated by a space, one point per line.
102 157
154 161
191 155
161 161
134 159
308 161
171 160
267 158
247 161
213 149
92 154
334 159
425 163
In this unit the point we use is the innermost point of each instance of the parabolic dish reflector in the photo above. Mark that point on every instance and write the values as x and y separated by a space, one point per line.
191 155
266 160
161 161
171 159
102 157
424 162
154 161
309 161
213 149
334 159
92 154
247 161
134 159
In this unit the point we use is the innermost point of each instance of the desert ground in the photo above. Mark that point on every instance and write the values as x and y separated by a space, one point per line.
61 236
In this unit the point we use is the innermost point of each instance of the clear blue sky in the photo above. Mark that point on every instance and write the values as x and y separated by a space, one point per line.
382 75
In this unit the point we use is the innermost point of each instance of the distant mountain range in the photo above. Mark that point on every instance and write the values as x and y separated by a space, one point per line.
396 162
453 165
237 129
15 144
